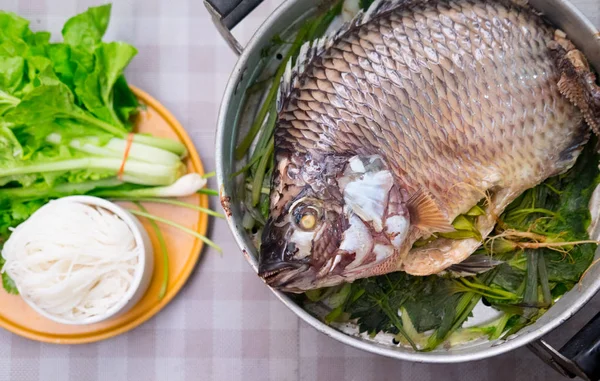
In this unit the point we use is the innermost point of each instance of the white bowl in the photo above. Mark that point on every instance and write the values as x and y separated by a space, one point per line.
141 276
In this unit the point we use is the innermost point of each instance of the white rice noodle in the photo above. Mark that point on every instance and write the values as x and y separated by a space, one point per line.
72 260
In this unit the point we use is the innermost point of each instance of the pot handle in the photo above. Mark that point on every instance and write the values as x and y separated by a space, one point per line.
579 357
226 14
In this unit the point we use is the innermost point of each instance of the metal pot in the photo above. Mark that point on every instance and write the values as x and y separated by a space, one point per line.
579 357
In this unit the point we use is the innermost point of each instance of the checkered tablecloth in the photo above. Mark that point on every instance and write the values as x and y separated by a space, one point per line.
225 325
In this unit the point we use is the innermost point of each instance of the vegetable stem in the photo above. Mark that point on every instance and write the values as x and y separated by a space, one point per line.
543 278
260 173
530 296
242 149
393 316
165 255
170 202
246 167
6 98
178 226
210 192
84 117
58 190
493 292
166 144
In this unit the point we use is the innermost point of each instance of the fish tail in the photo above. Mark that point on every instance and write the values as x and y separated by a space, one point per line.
577 81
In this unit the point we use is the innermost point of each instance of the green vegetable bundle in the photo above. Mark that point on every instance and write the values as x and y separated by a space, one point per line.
66 120
66 109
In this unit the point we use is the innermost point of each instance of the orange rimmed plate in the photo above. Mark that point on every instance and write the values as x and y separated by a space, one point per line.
183 250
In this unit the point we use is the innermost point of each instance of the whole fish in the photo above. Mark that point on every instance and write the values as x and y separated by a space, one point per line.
408 117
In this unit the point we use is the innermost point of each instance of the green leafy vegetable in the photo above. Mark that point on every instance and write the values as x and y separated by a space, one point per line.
87 29
66 116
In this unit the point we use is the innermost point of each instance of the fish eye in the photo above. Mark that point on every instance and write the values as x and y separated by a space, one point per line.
308 222
306 216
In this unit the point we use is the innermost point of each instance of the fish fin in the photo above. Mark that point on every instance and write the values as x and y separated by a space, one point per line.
577 81
426 215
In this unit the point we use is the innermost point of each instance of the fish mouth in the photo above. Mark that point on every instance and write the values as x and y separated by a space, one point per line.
283 276
271 270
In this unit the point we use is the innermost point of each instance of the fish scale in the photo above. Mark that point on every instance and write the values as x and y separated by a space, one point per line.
459 97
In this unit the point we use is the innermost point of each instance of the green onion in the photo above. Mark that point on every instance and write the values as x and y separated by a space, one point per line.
163 248
496 293
260 173
531 286
251 162
178 226
171 202
265 135
242 149
543 278
210 192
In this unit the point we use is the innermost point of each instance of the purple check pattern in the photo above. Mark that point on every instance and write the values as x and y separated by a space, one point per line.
225 325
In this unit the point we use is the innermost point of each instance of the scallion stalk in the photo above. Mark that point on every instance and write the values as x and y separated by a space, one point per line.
544 282
171 202
260 173
242 149
163 248
178 226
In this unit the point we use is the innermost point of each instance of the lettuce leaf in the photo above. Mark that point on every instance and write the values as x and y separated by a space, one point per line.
95 90
87 29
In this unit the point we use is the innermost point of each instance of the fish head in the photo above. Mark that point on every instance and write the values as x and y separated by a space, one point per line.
331 222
